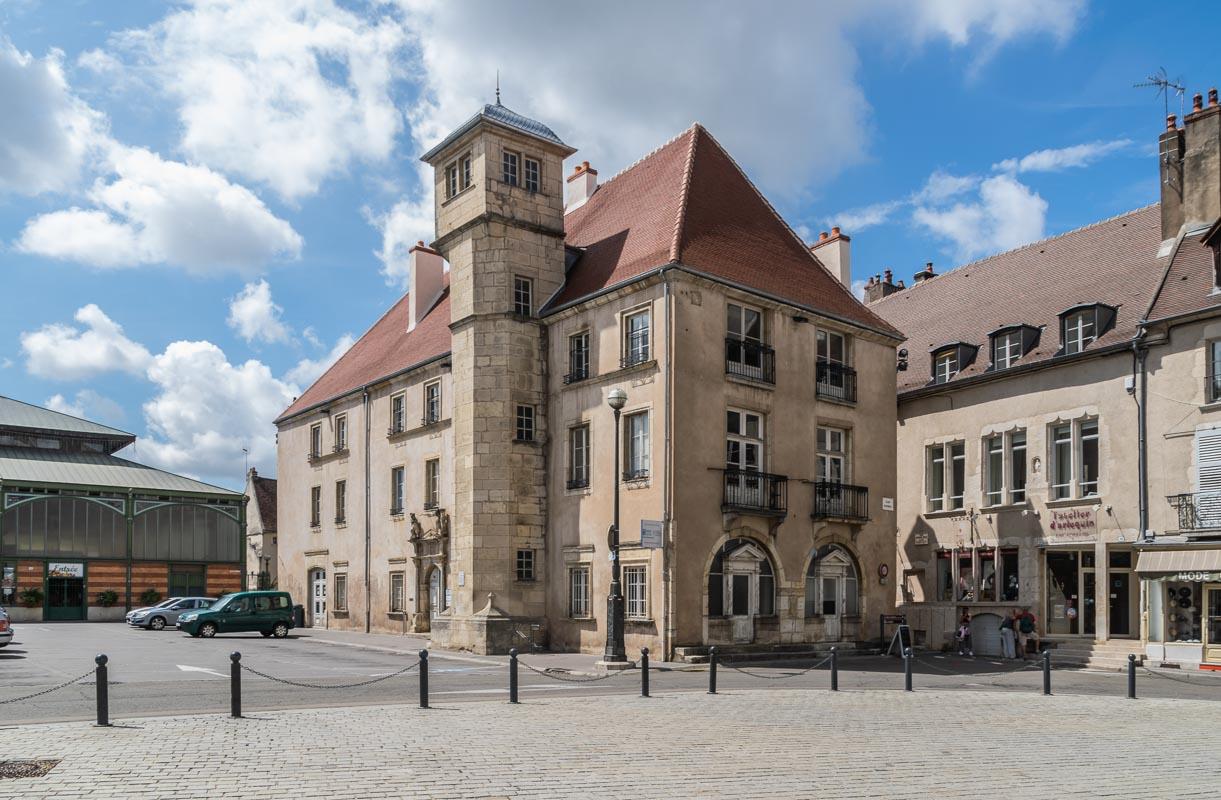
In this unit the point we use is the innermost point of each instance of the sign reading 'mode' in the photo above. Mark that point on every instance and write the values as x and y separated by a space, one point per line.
1073 524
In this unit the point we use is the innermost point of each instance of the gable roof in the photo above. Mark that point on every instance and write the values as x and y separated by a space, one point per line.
1188 287
689 203
265 499
1113 262
31 465
15 414
386 349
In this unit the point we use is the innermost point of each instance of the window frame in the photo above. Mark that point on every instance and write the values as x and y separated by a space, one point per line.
639 459
339 593
579 603
1009 342
400 578
432 483
525 423
744 440
510 167
451 180
341 433
398 490
432 404
1212 363
636 592
1077 344
341 501
579 456
523 296
823 338
826 455
948 357
1078 435
525 566
398 412
315 506
315 440
943 458
636 345
578 351
537 179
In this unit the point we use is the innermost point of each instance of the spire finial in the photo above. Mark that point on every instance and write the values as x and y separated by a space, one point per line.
497 87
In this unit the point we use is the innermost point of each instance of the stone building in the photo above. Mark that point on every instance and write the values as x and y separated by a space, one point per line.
1021 450
90 533
261 537
454 472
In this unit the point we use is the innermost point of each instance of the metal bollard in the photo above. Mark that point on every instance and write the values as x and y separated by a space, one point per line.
423 679
1131 677
235 684
513 675
103 691
711 670
644 672
907 669
1046 672
835 669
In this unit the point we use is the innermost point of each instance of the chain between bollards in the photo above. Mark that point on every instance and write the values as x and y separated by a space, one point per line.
1131 677
423 679
103 691
835 669
1046 672
907 669
711 670
644 672
513 675
235 684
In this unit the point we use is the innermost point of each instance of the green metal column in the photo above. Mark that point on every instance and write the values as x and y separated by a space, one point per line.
131 525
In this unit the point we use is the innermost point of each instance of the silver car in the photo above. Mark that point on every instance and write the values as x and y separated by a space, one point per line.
167 612
6 629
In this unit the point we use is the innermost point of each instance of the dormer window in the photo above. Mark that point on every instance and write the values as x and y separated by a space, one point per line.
1082 325
1010 344
948 361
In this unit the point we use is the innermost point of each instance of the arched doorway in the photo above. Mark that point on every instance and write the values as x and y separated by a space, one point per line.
832 590
317 584
741 586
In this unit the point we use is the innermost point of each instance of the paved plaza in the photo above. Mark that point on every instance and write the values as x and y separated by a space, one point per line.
742 743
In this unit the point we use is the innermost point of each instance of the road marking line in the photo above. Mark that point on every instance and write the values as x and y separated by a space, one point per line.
188 668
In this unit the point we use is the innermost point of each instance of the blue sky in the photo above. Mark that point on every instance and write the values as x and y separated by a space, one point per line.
201 203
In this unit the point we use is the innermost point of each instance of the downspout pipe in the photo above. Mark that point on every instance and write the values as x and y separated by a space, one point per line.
667 526
368 530
1140 351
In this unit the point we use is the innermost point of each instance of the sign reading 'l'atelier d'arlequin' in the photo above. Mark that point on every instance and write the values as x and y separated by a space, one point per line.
1072 524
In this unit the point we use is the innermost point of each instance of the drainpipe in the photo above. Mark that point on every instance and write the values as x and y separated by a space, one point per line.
667 550
1140 351
368 500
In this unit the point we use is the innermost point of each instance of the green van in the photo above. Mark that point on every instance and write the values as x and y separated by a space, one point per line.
269 613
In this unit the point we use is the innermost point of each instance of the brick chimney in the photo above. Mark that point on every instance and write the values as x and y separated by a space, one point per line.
834 250
924 274
426 283
880 286
1190 166
582 184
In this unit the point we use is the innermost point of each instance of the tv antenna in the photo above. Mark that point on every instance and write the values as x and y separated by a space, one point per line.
1164 86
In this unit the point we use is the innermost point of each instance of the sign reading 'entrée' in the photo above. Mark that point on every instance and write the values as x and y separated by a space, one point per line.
1074 523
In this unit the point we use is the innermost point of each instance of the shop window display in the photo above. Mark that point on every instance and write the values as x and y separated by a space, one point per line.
1182 604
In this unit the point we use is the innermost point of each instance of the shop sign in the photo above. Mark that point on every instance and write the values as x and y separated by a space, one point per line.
650 533
1074 523
1198 577
57 569
921 537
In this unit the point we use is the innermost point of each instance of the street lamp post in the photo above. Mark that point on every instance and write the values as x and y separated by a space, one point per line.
615 650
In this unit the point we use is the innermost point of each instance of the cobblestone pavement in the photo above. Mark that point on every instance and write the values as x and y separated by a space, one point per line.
741 743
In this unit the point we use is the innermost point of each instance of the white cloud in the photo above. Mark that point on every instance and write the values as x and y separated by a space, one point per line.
308 370
1006 214
158 211
1058 159
858 289
207 409
996 22
254 315
408 222
942 186
287 93
64 352
46 133
90 405
855 220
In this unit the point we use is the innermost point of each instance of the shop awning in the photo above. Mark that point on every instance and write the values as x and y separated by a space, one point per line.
1168 562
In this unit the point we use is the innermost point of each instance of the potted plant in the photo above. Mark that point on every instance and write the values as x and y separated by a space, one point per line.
150 597
31 597
108 598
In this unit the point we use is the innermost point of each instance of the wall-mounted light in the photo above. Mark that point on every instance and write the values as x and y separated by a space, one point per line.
901 364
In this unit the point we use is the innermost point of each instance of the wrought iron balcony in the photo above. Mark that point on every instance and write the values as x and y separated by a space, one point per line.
578 374
836 382
757 492
635 475
747 359
578 483
431 505
1198 511
636 349
840 501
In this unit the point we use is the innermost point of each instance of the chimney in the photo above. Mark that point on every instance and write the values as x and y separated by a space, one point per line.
924 274
1191 168
425 284
582 184
877 288
835 253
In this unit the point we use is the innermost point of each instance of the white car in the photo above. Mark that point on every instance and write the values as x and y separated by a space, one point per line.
141 613
166 615
6 629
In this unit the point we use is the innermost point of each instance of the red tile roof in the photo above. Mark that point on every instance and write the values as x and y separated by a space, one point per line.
1188 287
688 202
386 349
265 498
1112 262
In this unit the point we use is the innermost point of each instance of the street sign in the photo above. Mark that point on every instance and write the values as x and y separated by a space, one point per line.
650 533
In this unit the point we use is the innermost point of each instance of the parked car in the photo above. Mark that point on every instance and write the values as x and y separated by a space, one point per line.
143 610
6 629
157 618
269 613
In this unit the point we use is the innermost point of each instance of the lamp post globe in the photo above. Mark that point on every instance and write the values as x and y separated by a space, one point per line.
616 398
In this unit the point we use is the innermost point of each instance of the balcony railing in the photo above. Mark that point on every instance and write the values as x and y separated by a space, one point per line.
759 492
840 501
1198 511
635 349
635 475
747 359
578 374
578 483
836 382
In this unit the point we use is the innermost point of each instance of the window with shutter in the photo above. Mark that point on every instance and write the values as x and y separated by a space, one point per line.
1208 478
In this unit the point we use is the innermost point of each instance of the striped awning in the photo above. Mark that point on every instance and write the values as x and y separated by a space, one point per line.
1168 562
